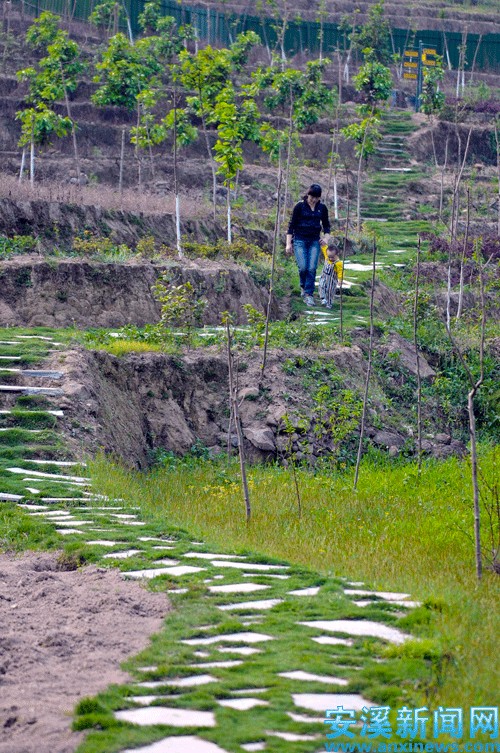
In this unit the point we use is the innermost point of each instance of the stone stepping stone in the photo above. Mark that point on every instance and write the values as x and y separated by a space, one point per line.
4 497
243 704
171 717
243 650
10 358
163 547
150 538
122 515
291 737
61 463
51 476
52 513
32 490
324 701
121 555
263 604
237 588
387 595
397 251
249 691
211 556
202 654
56 481
177 590
152 668
360 627
303 719
229 638
214 664
179 682
102 542
299 674
261 575
131 522
166 561
247 565
10 342
328 640
156 571
42 374
28 431
49 391
33 507
54 500
67 531
146 700
313 591
73 523
251 747
184 744
35 337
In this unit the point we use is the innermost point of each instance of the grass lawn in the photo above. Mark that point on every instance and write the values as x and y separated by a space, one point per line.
397 532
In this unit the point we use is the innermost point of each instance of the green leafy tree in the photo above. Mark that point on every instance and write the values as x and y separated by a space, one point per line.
375 35
107 16
205 74
55 76
236 123
301 96
38 124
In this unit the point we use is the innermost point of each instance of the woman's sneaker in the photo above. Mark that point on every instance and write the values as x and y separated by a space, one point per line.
309 300
324 302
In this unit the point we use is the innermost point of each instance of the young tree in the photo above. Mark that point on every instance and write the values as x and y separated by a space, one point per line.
374 81
53 79
206 74
374 35
38 124
236 123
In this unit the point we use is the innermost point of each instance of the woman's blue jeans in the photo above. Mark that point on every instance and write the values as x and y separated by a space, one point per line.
306 256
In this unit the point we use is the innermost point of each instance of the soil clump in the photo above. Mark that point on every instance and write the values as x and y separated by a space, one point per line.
59 641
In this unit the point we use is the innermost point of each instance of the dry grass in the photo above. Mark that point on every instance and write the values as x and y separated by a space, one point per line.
104 197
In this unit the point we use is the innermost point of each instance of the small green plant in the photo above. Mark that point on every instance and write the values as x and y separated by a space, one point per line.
19 244
181 305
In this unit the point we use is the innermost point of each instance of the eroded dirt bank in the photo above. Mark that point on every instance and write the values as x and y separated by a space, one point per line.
62 637
35 292
139 403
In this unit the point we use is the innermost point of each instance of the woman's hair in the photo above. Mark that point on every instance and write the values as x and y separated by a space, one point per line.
314 190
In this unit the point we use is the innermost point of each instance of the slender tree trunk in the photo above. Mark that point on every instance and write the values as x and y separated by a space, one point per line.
122 159
443 169
273 267
23 160
236 417
497 141
212 166
344 251
73 129
479 40
475 484
288 156
368 370
417 356
32 160
462 260
176 183
228 199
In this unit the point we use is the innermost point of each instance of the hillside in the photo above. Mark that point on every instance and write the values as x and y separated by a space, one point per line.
305 491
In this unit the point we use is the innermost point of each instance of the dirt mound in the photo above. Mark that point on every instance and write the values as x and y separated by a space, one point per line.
59 642
39 293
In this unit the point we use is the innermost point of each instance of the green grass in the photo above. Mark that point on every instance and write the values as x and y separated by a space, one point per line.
395 532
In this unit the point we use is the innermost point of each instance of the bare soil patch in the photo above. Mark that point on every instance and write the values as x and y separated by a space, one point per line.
62 636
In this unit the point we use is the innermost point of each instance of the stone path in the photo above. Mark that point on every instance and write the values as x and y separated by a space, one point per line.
229 673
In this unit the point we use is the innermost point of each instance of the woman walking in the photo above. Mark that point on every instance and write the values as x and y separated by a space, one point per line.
309 218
